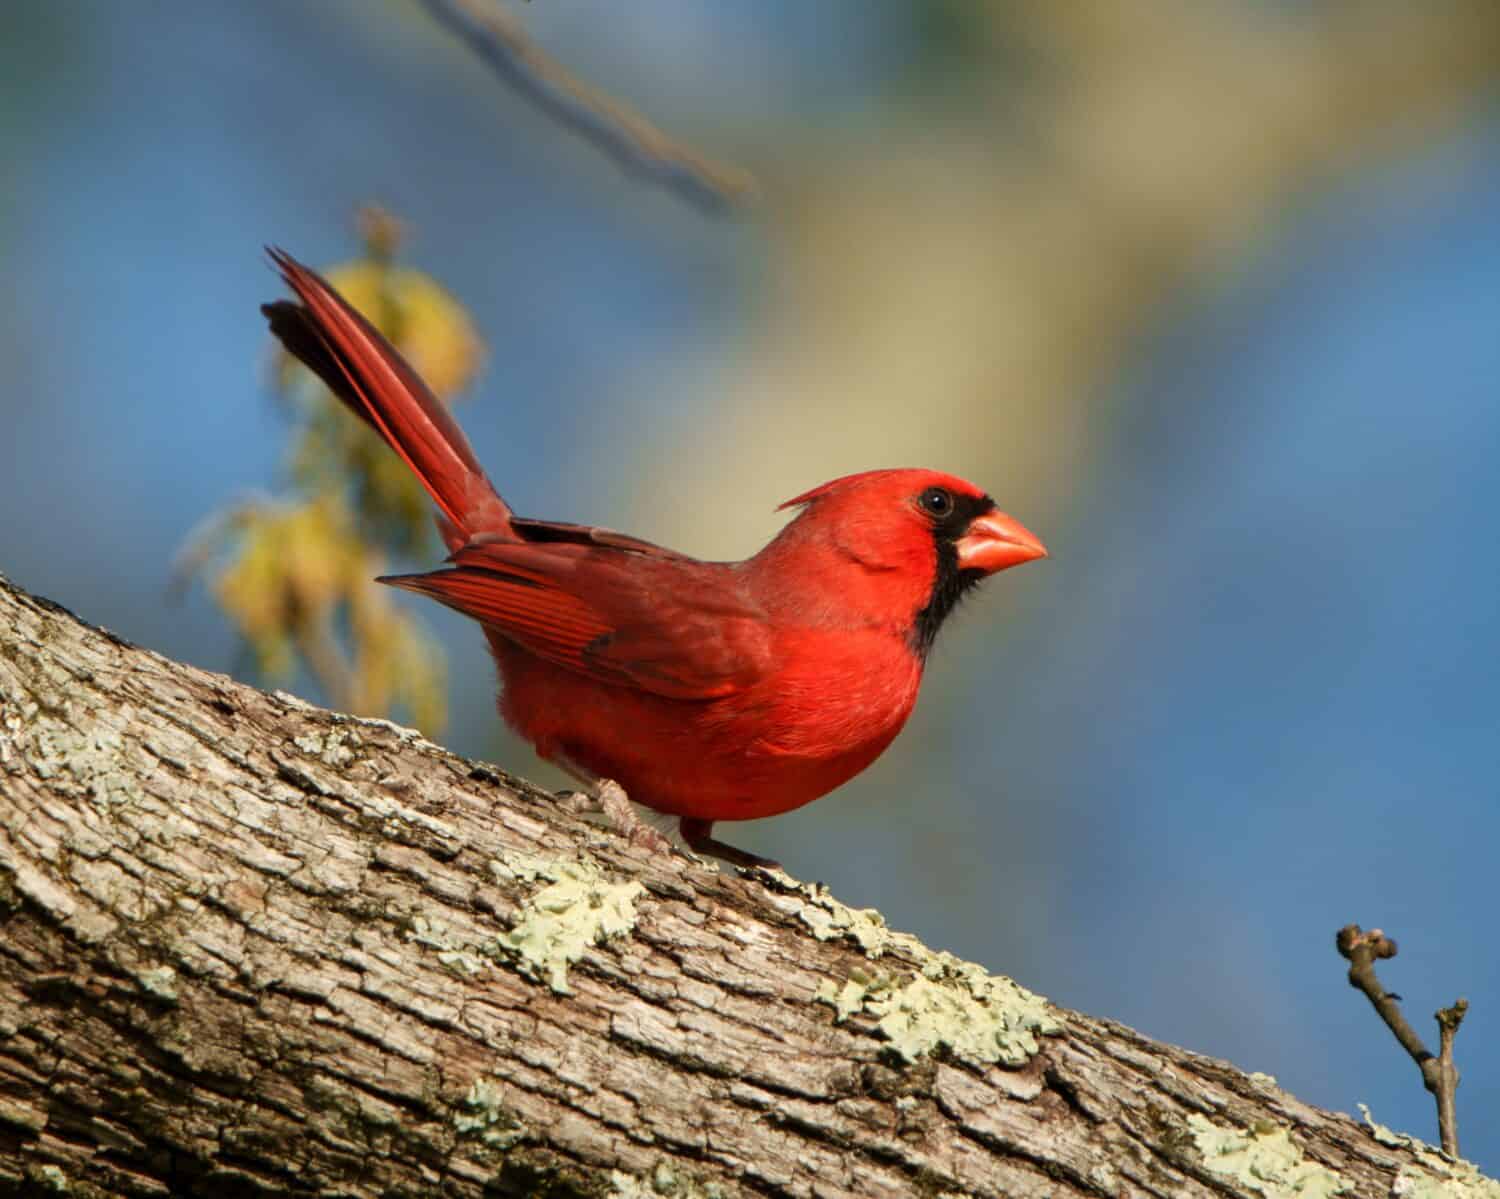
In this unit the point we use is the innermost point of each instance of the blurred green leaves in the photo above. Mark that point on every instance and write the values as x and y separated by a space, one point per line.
295 575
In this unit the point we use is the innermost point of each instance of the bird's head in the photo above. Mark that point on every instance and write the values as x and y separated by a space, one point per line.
923 539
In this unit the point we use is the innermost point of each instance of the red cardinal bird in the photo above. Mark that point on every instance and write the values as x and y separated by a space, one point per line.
707 690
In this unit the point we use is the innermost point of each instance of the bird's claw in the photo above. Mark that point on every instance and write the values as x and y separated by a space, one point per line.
608 798
577 803
697 835
647 837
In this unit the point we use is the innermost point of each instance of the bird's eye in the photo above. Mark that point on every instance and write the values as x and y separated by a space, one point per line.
936 501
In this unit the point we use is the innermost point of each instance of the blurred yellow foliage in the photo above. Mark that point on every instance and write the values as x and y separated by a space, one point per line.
395 661
292 567
298 576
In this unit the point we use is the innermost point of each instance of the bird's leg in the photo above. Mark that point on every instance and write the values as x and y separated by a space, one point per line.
607 796
696 834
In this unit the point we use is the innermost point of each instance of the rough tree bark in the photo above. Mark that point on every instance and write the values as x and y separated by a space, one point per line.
249 947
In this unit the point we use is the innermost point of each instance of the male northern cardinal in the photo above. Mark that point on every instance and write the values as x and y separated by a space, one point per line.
708 690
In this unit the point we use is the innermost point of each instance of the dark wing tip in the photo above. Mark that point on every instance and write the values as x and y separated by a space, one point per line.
412 582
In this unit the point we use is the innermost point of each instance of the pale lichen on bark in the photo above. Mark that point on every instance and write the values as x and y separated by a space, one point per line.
1429 1173
251 947
949 1004
1265 1160
557 924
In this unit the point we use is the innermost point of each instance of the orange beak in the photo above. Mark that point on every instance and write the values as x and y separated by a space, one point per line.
995 541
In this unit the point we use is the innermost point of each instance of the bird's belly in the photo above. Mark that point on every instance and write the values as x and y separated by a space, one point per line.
782 742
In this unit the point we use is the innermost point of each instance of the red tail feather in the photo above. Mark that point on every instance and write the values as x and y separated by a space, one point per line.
365 371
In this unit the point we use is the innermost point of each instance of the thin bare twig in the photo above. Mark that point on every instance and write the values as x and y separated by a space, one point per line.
1448 1018
1439 1074
623 134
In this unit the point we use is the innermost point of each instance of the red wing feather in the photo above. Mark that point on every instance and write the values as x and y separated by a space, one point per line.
675 628
549 622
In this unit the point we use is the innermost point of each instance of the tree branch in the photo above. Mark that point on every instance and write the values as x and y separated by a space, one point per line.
636 145
1439 1074
252 947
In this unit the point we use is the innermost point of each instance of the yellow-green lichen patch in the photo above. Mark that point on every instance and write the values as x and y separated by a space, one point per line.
555 927
483 1115
1263 1159
830 920
978 1017
89 760
1434 1176
666 1181
850 998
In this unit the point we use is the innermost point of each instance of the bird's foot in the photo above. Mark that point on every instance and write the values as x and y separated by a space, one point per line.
696 834
607 798
618 810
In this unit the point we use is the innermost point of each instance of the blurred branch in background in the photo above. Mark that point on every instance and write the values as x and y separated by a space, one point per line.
627 137
1049 175
296 576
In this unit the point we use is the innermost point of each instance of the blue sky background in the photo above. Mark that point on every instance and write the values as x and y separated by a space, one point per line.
1251 698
